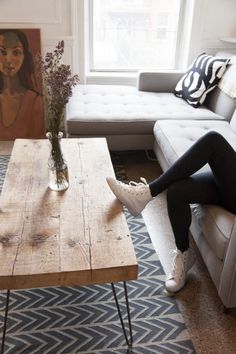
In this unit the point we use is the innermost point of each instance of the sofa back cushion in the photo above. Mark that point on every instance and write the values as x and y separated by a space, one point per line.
220 103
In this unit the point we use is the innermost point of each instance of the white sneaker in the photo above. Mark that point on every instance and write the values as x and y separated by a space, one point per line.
177 277
134 196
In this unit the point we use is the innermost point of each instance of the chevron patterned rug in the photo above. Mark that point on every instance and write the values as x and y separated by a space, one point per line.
71 320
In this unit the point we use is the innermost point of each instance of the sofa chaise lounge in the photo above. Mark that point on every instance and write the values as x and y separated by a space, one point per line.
150 116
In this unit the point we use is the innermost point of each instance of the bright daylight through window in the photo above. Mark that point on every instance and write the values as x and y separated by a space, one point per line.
134 34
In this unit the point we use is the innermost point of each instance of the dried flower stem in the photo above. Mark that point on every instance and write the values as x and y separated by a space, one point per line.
58 83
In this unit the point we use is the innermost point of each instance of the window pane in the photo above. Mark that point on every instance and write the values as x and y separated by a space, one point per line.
133 34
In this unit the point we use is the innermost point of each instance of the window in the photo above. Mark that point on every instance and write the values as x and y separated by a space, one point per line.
128 35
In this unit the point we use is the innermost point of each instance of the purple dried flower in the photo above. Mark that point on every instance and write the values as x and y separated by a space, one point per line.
58 83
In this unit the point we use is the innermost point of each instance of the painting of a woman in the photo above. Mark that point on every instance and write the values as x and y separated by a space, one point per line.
21 103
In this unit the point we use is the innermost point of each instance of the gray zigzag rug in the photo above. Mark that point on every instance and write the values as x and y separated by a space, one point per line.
60 320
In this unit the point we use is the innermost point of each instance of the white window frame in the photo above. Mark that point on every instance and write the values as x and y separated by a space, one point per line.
90 38
188 44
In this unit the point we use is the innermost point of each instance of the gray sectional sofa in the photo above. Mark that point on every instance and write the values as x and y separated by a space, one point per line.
150 116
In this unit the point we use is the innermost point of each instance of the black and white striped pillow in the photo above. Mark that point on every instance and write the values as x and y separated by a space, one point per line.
201 78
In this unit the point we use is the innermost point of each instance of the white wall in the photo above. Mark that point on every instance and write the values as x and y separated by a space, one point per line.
212 20
64 19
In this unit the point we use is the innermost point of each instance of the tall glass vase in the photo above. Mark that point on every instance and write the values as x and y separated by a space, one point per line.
57 168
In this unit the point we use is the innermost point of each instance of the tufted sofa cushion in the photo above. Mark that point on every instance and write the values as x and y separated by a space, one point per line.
173 139
107 109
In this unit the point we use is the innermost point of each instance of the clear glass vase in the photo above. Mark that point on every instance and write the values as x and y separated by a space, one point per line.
58 177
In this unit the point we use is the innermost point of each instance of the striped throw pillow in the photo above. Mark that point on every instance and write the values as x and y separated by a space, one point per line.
201 78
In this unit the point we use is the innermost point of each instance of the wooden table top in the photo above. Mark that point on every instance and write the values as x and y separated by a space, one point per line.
76 237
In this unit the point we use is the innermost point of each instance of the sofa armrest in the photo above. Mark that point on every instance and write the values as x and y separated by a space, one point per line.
158 81
227 286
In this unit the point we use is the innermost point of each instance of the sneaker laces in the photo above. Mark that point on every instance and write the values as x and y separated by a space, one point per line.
133 187
142 183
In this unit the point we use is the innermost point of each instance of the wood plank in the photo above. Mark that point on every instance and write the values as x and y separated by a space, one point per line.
110 240
79 236
112 251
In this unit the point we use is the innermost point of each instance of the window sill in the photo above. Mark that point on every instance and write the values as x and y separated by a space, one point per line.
111 78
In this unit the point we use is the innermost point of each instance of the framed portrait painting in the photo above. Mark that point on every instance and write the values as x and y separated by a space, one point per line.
21 100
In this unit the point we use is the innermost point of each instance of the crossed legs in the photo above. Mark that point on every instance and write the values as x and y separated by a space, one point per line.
185 185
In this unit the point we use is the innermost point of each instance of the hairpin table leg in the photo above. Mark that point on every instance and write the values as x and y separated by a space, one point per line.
129 341
5 321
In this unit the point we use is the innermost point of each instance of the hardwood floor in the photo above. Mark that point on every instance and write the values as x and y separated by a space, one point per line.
212 331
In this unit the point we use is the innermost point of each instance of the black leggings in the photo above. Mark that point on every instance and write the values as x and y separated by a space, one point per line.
184 187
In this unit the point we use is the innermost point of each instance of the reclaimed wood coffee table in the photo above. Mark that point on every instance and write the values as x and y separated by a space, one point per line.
76 237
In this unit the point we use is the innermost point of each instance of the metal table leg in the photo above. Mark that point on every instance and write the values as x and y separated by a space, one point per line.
5 321
129 341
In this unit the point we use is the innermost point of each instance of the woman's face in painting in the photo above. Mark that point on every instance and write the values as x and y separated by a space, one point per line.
11 54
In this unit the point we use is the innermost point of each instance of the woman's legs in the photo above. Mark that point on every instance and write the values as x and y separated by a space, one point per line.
184 188
200 188
213 149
